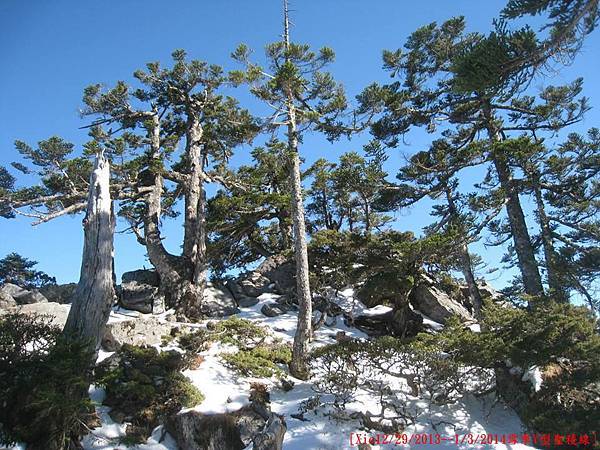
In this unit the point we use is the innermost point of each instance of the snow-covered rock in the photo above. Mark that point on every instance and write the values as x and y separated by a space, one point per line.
135 331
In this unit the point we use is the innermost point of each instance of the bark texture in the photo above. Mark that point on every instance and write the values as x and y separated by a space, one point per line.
94 294
532 281
298 366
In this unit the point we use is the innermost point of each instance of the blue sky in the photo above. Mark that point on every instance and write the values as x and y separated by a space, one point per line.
51 50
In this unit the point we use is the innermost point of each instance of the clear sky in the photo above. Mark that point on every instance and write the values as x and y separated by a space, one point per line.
51 50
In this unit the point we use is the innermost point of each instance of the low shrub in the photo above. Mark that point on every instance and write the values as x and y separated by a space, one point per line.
144 387
43 384
261 361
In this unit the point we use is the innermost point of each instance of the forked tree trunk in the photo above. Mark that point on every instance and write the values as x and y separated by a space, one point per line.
94 294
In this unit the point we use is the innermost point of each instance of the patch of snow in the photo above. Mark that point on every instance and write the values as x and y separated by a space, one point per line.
534 376
225 390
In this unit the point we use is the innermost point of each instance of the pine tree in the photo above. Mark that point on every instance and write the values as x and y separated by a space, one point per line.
456 77
250 218
140 128
303 98
18 270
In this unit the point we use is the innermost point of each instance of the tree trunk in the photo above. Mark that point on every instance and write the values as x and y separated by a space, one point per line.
466 265
194 242
298 365
532 282
555 281
94 294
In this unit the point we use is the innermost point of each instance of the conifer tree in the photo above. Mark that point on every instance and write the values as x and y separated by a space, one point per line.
456 77
303 98
140 129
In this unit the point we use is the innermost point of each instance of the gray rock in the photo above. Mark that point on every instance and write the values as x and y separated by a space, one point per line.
23 296
272 437
280 271
228 431
6 300
436 304
274 309
135 331
140 291
235 289
57 312
13 290
247 302
255 284
218 302
59 293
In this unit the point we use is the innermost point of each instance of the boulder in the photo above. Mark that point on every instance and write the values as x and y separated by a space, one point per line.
247 302
272 437
254 284
140 291
57 312
274 309
236 290
401 322
280 271
6 300
23 296
435 303
59 293
136 331
236 430
218 302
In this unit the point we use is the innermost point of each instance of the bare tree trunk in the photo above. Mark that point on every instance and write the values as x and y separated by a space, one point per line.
298 366
94 294
532 281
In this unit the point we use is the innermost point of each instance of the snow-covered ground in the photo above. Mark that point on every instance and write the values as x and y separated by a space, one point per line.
225 390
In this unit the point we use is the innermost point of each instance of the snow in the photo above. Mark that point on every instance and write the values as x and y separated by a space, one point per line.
534 376
225 390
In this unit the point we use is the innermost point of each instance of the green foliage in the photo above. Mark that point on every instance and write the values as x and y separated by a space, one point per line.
557 338
250 218
258 354
18 270
343 194
385 265
242 333
260 361
423 372
144 387
43 384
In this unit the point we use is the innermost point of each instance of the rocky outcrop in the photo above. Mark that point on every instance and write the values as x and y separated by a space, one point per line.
401 322
280 271
252 424
136 331
59 293
140 291
276 275
274 309
435 303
